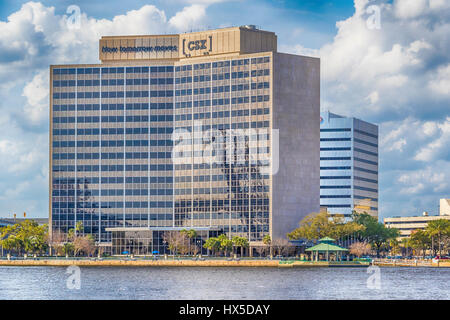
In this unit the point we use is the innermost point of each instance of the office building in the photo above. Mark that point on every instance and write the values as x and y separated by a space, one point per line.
174 132
406 225
348 165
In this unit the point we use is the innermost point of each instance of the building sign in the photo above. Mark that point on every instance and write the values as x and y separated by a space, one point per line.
204 44
139 49
187 45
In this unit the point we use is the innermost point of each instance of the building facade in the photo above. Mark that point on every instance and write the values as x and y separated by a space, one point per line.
444 207
176 132
348 165
406 225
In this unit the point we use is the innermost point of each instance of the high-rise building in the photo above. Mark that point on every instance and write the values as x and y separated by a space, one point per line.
348 165
176 132
444 207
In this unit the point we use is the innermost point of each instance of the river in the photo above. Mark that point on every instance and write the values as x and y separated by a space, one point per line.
225 283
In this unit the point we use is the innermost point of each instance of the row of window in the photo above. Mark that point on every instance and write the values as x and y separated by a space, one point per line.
65 71
112 143
222 166
366 161
366 133
335 158
112 155
224 190
65 183
117 192
336 149
113 106
216 202
109 168
115 204
349 168
105 217
113 82
111 70
214 177
96 119
336 130
335 139
110 131
365 142
334 177
366 152
366 180
349 130
349 187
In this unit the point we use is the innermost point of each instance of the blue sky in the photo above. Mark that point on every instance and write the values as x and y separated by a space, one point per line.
395 74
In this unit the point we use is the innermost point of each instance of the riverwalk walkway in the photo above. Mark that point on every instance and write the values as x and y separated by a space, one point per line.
411 263
210 262
177 262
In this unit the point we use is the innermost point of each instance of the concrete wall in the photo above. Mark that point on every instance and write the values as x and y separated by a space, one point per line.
296 113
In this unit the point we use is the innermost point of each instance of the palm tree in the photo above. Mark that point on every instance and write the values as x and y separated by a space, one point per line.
406 243
240 242
268 241
439 228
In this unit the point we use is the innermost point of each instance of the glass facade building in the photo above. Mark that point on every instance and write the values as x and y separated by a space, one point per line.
348 165
141 145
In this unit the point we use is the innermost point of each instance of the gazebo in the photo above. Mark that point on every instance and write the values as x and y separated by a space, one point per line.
326 245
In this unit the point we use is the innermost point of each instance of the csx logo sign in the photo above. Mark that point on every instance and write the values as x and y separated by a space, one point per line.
197 45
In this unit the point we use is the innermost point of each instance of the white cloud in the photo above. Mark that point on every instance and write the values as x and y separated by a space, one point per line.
431 178
36 93
410 8
189 18
440 82
437 147
406 61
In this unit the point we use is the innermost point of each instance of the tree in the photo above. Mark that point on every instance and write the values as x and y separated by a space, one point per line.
177 241
10 239
212 244
374 232
226 245
240 242
439 229
268 241
68 248
406 244
281 246
360 248
27 236
319 225
56 242
394 246
191 234
84 244
420 240
33 236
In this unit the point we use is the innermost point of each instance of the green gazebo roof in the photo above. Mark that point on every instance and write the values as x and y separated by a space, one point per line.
326 247
327 239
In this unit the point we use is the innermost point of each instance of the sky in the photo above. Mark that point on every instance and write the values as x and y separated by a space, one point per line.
383 61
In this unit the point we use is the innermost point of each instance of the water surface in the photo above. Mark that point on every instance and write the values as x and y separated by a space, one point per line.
223 283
